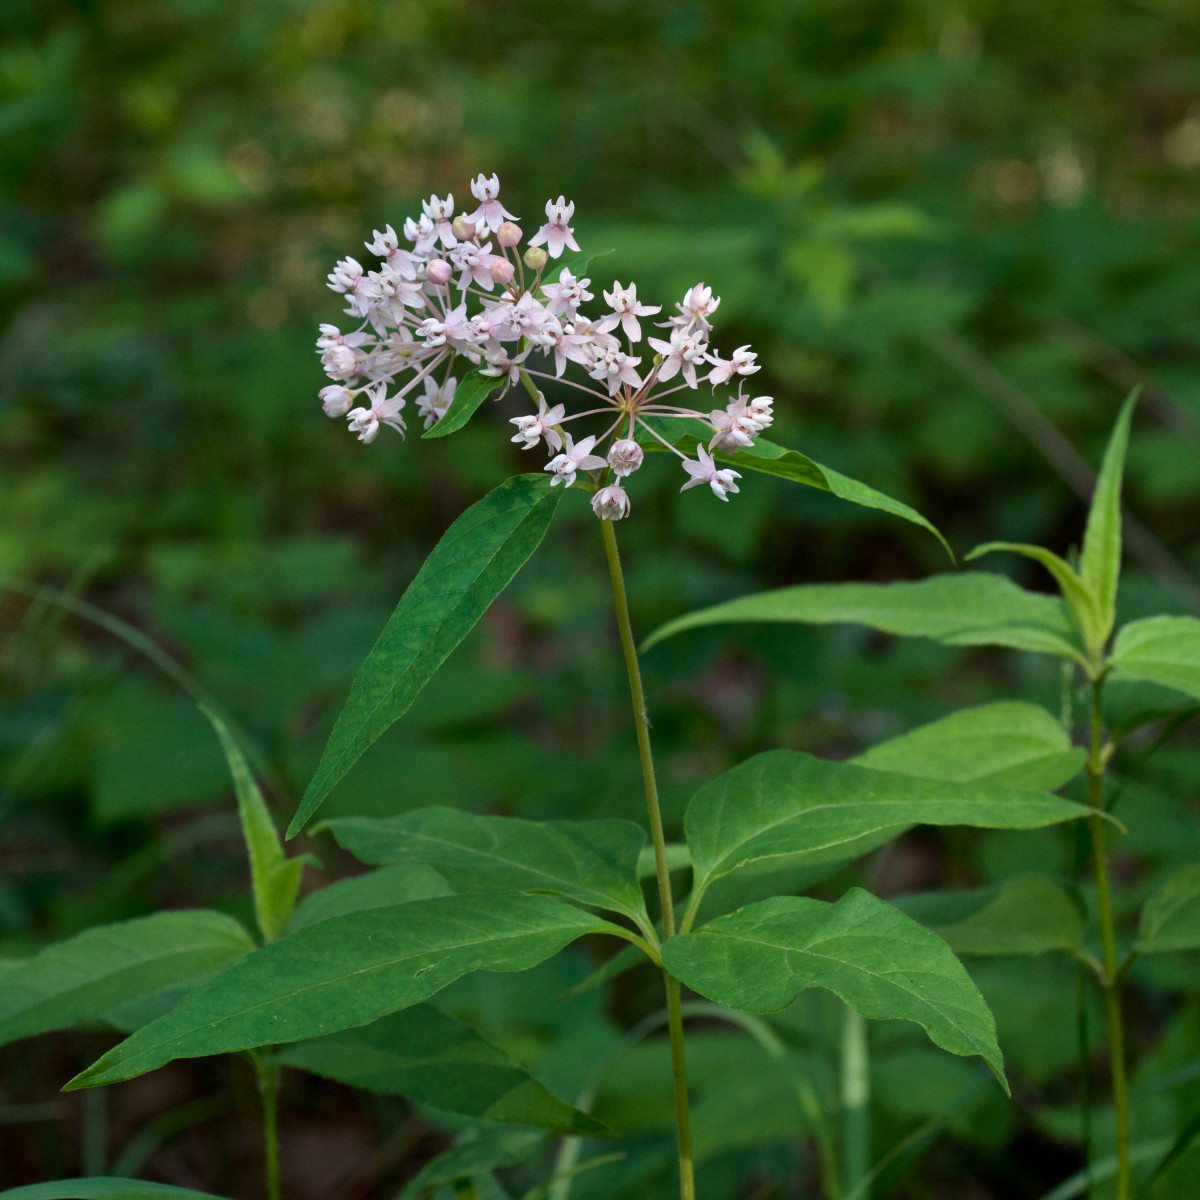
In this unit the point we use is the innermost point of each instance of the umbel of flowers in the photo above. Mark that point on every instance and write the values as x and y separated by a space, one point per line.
461 296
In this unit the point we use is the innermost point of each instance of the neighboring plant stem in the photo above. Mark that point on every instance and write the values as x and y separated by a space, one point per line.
641 720
856 1099
1097 762
268 1088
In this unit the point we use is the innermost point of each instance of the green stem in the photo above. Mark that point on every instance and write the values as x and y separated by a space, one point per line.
641 720
1097 762
268 1089
856 1113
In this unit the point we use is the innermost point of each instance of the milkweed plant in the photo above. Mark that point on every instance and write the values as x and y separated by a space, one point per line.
454 309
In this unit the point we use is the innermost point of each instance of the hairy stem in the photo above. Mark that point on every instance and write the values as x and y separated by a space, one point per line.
641 720
1096 765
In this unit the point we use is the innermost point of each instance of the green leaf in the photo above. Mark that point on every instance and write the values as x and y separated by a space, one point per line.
433 1059
1100 559
1171 918
384 888
99 1187
472 564
349 971
972 609
1162 650
1025 916
275 878
87 976
471 391
477 1150
880 962
1008 744
593 862
767 458
1079 601
793 808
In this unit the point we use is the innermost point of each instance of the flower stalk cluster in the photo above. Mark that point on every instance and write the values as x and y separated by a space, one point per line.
460 296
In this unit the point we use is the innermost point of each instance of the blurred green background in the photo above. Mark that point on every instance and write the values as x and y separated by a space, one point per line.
955 233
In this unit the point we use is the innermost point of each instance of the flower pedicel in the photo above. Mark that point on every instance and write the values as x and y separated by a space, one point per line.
462 298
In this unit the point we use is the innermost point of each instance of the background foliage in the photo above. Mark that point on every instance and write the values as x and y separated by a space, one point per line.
952 232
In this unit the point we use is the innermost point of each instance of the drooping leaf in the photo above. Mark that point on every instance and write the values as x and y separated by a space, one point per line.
1025 916
101 969
471 391
100 1187
349 971
1100 558
1131 703
1171 918
767 458
795 808
433 1059
275 878
384 888
472 564
593 862
971 609
1163 650
1008 744
880 962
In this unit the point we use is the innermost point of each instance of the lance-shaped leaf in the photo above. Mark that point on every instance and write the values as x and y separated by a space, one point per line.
1162 650
880 962
1009 744
471 391
796 809
472 564
593 862
102 1187
972 609
384 888
1171 918
348 971
433 1059
1026 916
275 878
104 968
767 458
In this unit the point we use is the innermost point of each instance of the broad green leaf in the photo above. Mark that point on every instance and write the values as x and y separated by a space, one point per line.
472 564
1079 601
593 862
384 888
1100 559
766 458
471 391
103 968
100 1187
349 971
972 609
1171 918
1024 916
1163 650
275 878
433 1059
793 808
880 962
1008 744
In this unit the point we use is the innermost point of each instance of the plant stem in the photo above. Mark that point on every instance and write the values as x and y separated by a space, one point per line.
641 720
856 1112
1096 765
268 1088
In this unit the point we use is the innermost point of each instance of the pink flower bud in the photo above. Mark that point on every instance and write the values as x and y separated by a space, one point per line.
462 229
536 258
611 503
439 271
501 270
336 400
509 234
625 456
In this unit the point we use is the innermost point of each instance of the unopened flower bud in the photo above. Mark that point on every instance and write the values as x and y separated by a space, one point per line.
340 360
462 229
625 456
501 270
536 258
439 271
336 400
611 503
509 234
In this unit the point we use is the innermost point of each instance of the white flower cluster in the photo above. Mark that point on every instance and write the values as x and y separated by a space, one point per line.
460 296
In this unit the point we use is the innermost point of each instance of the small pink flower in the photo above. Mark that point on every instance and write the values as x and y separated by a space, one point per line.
567 294
624 457
615 368
366 421
557 233
491 212
431 407
741 363
574 458
626 310
682 353
336 400
705 471
611 503
531 429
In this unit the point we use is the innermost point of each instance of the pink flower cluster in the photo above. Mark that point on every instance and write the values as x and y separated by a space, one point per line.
460 297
